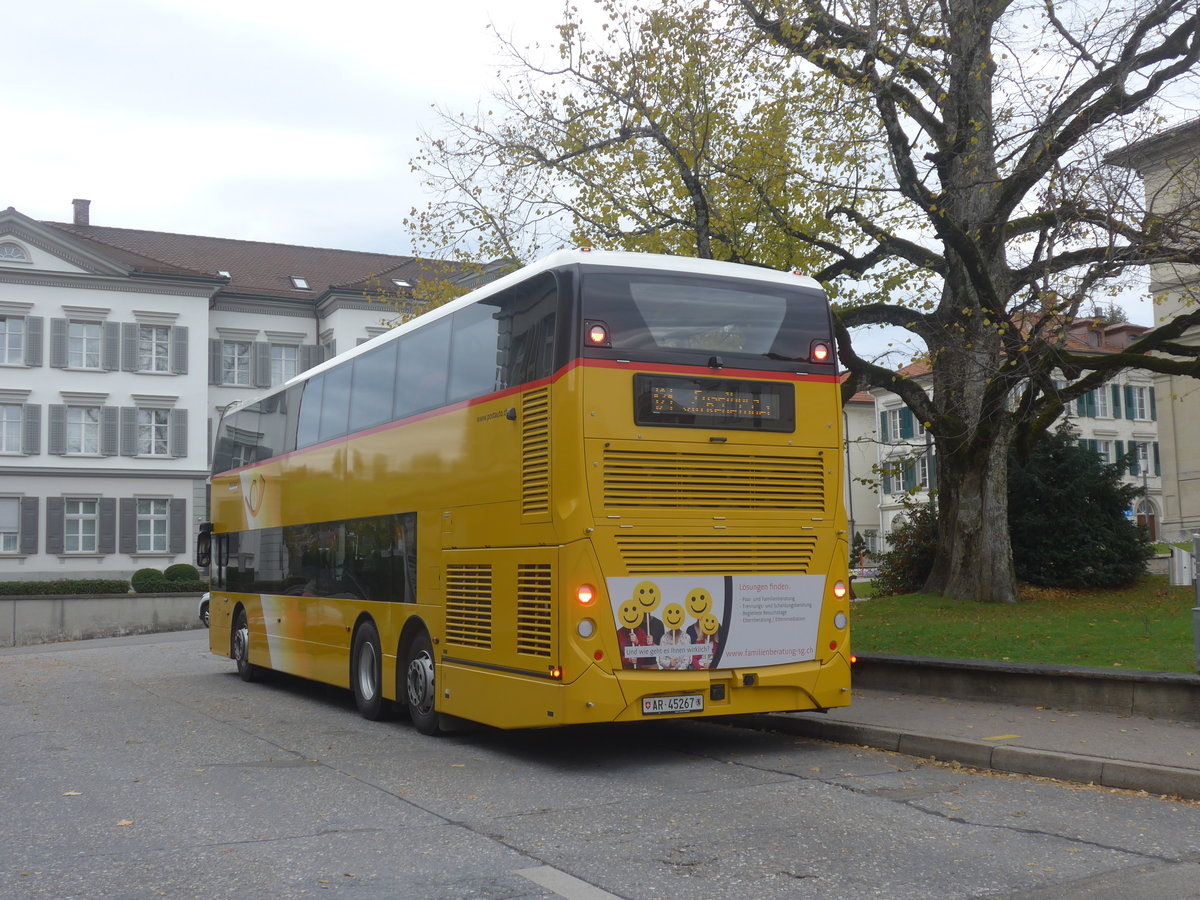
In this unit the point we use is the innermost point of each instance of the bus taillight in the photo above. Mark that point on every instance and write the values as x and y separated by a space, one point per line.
839 589
586 594
597 334
820 352
556 673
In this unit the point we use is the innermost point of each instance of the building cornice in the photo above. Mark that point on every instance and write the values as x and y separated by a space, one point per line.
125 284
81 472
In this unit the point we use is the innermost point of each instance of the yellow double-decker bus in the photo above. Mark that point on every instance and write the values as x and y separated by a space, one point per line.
606 487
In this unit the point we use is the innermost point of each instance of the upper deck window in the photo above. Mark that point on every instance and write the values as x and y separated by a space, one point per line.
671 317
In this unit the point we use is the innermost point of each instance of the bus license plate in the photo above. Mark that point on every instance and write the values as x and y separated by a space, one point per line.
680 703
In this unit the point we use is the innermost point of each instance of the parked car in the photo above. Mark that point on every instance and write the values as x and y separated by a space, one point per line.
204 609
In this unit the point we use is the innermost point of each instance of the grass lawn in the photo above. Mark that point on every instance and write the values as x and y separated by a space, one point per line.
1148 626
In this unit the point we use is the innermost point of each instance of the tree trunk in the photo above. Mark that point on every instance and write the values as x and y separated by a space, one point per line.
974 555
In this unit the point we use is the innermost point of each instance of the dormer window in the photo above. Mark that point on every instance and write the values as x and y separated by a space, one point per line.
224 273
300 283
12 252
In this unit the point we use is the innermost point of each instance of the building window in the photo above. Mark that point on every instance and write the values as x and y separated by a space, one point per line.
285 360
300 283
11 417
12 341
83 430
1138 403
81 520
10 524
1100 396
153 431
235 362
154 348
1105 450
83 345
152 519
11 252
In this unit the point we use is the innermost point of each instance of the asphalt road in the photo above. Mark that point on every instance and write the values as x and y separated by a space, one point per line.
142 767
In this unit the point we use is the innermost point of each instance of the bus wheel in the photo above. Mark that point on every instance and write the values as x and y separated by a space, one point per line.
240 649
366 672
420 686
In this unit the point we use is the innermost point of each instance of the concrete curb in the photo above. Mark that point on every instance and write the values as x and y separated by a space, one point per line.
1168 695
1168 781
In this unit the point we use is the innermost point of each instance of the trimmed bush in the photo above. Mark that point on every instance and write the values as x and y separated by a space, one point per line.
81 586
181 572
906 564
148 581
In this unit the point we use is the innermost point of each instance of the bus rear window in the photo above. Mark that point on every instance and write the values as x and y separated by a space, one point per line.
653 316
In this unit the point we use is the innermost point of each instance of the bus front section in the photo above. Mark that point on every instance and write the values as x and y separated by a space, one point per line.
713 568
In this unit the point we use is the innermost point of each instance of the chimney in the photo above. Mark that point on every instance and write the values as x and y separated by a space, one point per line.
81 211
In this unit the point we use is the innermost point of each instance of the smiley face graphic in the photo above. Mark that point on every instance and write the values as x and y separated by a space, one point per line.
709 624
647 595
673 616
630 614
699 601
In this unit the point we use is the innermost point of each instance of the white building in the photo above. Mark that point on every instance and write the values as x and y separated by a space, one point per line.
1117 419
1169 164
118 350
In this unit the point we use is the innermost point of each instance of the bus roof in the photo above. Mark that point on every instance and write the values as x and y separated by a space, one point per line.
559 259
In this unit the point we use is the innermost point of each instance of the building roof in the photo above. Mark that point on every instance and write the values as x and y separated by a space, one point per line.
253 267
1182 137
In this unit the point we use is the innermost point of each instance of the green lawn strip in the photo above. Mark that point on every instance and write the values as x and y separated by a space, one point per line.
1147 626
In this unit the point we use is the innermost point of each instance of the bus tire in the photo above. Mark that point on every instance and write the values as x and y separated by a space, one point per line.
420 685
239 647
366 672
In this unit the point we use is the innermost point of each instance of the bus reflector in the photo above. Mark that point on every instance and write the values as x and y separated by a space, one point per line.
586 594
833 645
839 589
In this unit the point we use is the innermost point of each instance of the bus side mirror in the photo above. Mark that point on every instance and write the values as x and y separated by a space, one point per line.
204 546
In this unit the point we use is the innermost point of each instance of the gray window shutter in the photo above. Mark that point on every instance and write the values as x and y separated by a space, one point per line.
309 356
29 525
177 536
129 346
179 433
260 364
110 431
56 431
55 507
58 343
214 361
127 516
1129 410
33 340
31 429
110 351
106 532
179 350
128 431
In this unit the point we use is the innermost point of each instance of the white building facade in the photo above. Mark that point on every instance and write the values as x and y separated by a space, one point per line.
118 351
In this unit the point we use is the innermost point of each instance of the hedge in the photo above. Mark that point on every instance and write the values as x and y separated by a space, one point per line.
64 586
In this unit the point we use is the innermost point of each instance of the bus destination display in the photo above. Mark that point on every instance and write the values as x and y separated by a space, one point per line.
714 403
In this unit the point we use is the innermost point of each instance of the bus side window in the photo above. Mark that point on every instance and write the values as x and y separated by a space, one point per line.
473 352
335 402
374 380
421 371
310 411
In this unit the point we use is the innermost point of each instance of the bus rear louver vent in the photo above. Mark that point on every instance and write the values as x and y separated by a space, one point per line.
717 554
469 605
684 480
534 616
535 453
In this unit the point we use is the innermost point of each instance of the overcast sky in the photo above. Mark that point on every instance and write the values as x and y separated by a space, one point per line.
257 119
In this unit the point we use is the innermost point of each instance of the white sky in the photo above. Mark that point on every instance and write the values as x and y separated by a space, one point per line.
256 119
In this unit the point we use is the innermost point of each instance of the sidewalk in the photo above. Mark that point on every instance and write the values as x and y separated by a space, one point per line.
1156 755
